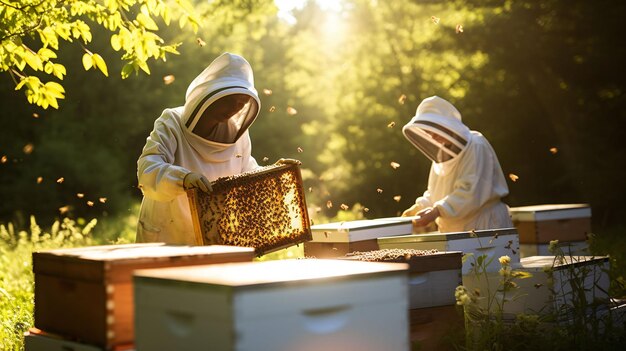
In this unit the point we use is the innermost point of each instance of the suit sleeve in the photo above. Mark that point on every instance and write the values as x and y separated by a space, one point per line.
159 179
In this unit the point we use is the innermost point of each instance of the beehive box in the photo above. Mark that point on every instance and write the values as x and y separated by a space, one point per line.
264 209
436 328
86 293
550 291
542 223
492 243
304 304
433 275
37 340
332 240
568 248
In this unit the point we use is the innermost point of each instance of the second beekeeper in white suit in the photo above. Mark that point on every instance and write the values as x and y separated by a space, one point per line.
465 184
194 144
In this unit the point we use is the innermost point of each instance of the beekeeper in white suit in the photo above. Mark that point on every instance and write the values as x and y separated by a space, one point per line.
466 183
194 144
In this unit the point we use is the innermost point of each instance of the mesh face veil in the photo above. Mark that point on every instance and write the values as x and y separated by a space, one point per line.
234 112
437 130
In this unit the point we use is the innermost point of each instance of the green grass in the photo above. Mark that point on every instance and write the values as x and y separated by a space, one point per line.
16 274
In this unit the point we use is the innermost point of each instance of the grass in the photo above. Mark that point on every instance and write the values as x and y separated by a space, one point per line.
493 333
577 317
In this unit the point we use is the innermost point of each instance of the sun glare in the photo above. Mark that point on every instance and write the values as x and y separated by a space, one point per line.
285 7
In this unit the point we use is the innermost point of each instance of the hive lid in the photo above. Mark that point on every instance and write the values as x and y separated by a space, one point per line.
271 273
264 209
537 263
358 230
550 212
135 252
430 237
92 262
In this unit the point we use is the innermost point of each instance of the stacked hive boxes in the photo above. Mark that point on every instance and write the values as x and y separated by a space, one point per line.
85 294
300 304
537 225
433 277
490 243
339 238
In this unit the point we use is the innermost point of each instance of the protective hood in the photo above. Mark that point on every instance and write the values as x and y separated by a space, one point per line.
227 75
437 130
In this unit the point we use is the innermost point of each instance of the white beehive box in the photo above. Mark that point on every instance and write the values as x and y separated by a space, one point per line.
571 248
339 238
492 243
432 276
540 224
550 291
273 305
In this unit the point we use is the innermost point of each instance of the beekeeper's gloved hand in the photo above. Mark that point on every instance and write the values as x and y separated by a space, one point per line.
288 161
197 180
411 211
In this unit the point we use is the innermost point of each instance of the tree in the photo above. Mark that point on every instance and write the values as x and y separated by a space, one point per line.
31 31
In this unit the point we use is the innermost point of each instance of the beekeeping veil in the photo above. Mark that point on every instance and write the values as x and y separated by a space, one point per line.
227 75
437 130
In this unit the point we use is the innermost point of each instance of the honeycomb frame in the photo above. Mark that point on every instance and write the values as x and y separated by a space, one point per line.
264 209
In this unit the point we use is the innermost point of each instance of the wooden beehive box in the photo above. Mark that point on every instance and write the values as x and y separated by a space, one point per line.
336 239
492 243
549 291
436 328
433 275
542 223
304 304
38 340
86 293
264 209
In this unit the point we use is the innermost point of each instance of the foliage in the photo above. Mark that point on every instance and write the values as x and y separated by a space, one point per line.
32 30
94 139
16 275
575 323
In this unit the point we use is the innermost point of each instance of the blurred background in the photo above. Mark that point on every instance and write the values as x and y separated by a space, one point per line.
543 81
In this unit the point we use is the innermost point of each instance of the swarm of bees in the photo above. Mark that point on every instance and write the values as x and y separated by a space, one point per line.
264 209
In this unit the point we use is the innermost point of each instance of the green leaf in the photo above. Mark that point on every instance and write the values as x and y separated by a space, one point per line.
46 54
182 21
48 67
87 61
99 62
55 89
59 71
127 70
33 60
144 66
116 43
147 22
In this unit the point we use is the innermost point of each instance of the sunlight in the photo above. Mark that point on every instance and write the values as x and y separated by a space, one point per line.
285 7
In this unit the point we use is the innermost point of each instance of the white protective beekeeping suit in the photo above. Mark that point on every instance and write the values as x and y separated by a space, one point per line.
465 182
172 150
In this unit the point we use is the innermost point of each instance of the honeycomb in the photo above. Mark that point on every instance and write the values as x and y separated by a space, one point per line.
390 255
264 209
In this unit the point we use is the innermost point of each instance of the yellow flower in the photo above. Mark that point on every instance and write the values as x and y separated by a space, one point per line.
505 260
